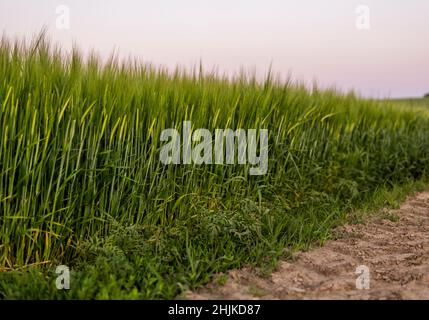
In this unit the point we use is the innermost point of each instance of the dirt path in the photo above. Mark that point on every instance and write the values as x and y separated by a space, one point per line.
395 252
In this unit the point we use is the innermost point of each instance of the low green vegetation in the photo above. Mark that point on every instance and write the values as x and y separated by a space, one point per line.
412 102
81 183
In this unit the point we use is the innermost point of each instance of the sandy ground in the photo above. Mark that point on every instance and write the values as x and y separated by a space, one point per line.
393 245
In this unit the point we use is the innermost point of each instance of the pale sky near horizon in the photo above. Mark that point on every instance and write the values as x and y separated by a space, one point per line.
309 39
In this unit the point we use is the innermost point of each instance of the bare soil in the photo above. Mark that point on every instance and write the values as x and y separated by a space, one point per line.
394 245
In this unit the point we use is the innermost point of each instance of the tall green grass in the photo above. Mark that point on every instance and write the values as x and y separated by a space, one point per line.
81 182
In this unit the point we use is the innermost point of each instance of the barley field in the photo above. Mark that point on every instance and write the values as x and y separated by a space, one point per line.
81 183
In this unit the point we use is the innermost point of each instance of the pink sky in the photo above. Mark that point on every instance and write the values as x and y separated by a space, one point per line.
312 40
